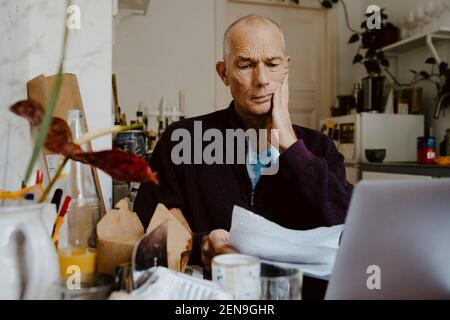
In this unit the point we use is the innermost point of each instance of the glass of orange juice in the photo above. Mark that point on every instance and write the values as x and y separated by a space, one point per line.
72 257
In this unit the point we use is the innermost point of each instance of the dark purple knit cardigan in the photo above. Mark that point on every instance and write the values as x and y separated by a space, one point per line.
310 189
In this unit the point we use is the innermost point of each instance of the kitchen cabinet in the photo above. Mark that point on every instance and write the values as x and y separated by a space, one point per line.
394 171
369 175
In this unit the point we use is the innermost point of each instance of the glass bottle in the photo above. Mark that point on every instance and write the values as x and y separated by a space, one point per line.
358 96
84 209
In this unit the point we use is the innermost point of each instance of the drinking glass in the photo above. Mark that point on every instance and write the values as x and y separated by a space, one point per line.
279 283
92 286
83 258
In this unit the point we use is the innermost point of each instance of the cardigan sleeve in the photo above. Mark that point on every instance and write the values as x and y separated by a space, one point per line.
319 182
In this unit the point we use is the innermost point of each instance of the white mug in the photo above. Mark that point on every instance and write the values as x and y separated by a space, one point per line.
38 263
239 274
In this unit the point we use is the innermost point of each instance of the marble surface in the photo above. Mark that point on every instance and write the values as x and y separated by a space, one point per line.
31 34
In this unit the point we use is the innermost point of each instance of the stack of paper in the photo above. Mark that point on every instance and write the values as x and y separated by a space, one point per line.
312 251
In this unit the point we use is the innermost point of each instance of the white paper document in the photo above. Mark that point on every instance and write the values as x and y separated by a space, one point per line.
313 251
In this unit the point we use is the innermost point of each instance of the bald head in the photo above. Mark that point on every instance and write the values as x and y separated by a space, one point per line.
249 21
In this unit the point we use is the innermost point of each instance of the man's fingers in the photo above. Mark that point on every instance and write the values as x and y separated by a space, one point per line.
285 92
276 99
213 244
218 237
225 249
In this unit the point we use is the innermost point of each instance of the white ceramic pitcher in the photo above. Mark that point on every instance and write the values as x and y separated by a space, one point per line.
28 259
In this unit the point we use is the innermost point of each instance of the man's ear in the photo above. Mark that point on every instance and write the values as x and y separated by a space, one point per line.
288 59
221 71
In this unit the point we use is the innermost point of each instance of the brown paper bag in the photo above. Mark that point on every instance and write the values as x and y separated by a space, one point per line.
39 89
117 234
179 236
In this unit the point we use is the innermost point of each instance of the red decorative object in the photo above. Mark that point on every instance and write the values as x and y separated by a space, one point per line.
30 110
59 138
118 164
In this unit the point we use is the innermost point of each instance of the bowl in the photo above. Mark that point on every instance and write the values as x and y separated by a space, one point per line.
375 155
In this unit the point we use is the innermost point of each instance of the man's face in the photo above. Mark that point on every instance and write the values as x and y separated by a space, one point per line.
255 66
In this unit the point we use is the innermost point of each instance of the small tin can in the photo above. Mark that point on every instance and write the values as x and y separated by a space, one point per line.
132 141
426 150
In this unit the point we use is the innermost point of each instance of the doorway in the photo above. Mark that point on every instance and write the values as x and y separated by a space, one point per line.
305 31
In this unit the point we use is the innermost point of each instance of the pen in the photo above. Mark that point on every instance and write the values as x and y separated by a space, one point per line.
59 220
56 199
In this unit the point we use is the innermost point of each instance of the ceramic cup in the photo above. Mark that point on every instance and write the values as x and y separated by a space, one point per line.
238 274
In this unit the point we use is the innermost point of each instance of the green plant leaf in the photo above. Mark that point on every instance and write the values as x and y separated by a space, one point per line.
357 59
384 62
335 1
327 4
380 55
364 24
372 67
438 86
425 74
447 75
430 60
384 16
442 67
413 72
370 53
354 38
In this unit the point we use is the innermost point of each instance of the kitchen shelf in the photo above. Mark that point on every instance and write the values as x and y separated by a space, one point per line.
419 41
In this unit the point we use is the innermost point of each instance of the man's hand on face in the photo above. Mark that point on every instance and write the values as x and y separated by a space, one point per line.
216 242
281 120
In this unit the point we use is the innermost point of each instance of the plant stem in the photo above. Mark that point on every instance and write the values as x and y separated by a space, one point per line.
347 21
50 106
101 132
44 196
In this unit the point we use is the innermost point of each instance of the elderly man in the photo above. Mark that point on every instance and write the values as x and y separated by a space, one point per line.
309 188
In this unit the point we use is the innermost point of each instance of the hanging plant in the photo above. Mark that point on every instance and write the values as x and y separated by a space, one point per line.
369 52
439 74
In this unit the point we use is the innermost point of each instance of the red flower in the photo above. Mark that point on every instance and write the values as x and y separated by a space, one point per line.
59 138
118 164
30 110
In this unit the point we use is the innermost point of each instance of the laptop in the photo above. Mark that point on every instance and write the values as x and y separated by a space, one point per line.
396 242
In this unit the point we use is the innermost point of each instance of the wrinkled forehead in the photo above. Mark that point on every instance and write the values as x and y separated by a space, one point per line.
256 40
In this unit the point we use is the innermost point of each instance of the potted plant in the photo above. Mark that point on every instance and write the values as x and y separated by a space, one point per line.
440 76
370 54
372 40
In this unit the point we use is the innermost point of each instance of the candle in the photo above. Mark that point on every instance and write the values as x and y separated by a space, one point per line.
182 103
162 108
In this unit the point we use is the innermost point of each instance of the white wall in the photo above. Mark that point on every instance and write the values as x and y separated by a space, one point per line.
170 48
173 47
348 73
31 37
